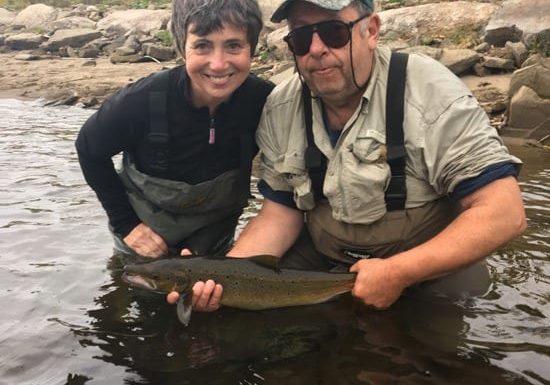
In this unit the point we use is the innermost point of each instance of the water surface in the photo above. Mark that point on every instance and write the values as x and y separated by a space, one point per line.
66 318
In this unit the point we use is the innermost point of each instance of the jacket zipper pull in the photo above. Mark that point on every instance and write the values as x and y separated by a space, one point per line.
212 133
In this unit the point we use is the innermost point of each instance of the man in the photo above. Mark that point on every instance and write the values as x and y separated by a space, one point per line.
458 201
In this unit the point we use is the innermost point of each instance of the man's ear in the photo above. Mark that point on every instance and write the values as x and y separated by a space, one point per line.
373 28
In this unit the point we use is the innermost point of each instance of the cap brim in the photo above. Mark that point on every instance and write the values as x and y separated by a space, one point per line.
281 13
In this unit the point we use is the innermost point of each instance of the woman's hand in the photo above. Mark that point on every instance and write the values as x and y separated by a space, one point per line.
144 241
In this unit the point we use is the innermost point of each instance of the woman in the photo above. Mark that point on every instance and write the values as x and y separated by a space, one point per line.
186 134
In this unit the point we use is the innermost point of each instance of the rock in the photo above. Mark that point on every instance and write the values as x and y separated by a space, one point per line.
498 63
440 19
525 17
276 46
536 77
72 22
499 36
6 18
26 57
483 47
136 20
535 59
480 70
527 109
26 40
35 16
132 43
125 51
491 99
434 53
71 37
134 58
88 52
518 51
459 60
158 51
89 63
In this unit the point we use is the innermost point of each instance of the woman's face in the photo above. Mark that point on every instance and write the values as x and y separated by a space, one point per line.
217 64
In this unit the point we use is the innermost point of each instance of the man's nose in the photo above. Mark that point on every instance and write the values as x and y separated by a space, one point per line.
317 46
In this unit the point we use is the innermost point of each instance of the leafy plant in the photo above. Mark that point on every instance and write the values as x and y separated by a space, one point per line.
165 37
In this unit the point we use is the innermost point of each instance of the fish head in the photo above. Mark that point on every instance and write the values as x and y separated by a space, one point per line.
161 276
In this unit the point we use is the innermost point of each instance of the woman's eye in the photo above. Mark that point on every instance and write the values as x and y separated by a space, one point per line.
201 47
235 47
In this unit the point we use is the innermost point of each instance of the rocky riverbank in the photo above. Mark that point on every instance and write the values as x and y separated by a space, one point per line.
83 54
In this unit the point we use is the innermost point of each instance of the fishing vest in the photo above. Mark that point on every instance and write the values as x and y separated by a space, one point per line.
201 217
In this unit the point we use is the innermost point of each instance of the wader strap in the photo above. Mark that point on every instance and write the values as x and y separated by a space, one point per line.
158 136
396 194
316 162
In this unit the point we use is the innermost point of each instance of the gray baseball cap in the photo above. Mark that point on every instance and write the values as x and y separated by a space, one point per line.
281 12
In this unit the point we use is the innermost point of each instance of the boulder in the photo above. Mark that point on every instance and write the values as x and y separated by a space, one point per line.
138 21
518 51
277 46
498 63
527 109
459 60
6 17
72 22
71 37
524 18
434 53
158 51
440 19
536 77
22 41
35 16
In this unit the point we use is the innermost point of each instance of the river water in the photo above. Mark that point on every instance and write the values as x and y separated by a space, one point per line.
66 318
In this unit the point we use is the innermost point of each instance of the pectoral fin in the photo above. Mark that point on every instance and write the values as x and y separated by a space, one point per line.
184 308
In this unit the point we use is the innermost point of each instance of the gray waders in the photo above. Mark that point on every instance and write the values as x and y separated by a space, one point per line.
328 244
201 217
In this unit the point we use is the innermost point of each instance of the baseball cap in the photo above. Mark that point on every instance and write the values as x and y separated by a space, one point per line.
281 12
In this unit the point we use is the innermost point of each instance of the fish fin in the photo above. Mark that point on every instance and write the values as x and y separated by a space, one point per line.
184 308
265 260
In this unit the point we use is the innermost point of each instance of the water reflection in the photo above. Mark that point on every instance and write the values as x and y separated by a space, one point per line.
70 320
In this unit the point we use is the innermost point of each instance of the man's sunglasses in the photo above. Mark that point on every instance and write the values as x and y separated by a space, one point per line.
334 33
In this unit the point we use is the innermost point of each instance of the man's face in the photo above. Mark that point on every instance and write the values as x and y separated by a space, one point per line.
326 70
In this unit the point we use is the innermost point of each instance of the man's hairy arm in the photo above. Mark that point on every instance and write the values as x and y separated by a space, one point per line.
490 217
273 231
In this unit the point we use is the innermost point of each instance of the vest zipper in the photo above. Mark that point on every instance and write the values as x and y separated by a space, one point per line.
212 132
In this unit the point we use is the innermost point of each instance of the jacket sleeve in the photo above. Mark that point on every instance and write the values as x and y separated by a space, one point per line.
106 133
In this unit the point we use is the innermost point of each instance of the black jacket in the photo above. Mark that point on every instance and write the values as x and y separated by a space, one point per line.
122 125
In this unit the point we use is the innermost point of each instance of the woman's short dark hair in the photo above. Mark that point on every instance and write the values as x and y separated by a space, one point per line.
206 16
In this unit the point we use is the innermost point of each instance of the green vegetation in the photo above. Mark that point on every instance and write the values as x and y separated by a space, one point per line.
17 5
165 37
465 36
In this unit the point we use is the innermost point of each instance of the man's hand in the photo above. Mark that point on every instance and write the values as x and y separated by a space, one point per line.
206 295
378 283
144 241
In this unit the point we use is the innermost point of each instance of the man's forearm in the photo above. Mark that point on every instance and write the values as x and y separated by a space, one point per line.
492 216
273 231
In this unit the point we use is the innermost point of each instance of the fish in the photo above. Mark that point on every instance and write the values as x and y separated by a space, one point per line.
251 283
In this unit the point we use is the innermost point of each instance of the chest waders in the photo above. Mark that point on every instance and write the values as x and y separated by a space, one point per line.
201 217
400 229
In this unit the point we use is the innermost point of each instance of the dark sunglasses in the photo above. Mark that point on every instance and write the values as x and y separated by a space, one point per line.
334 33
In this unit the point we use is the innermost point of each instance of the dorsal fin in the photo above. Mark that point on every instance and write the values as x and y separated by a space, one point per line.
264 260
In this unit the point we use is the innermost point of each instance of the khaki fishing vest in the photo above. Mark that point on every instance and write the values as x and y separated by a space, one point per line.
196 216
